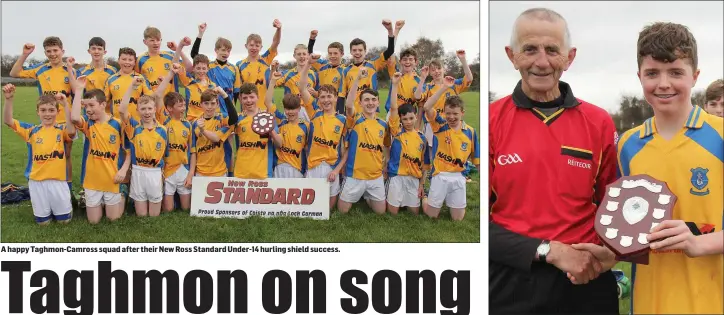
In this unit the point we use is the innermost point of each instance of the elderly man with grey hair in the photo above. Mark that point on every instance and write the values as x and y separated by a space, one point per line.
551 157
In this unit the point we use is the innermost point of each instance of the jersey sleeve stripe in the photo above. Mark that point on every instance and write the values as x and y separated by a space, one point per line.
709 139
630 148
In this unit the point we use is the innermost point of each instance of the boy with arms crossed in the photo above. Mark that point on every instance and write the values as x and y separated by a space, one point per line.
454 142
148 141
290 155
407 153
209 132
46 173
681 145
325 139
103 153
367 154
255 153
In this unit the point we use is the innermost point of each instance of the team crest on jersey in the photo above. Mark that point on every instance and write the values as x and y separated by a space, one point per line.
464 147
166 66
112 139
299 138
140 143
382 133
243 129
158 146
184 134
336 128
216 128
57 138
116 87
335 80
39 141
699 181
66 80
421 147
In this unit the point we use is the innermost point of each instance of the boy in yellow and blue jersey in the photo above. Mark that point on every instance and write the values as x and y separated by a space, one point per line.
196 83
410 80
454 143
155 64
53 78
366 154
208 132
290 157
254 68
46 173
221 71
290 79
407 154
358 50
103 153
331 70
117 85
254 153
325 158
148 142
681 145
98 71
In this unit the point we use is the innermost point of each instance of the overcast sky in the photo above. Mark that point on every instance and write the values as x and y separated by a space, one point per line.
605 35
122 24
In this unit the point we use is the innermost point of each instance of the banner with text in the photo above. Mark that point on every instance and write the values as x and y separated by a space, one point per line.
228 197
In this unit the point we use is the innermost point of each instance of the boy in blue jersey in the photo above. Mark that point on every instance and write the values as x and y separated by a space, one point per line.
682 146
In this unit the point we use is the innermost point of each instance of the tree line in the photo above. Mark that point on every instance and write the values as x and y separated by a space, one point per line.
426 48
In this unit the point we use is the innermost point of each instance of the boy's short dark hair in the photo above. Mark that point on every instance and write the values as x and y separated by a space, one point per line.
96 94
369 91
337 45
455 101
666 42
248 88
172 98
715 91
47 100
328 88
97 41
406 109
52 41
356 42
201 58
127 51
291 101
408 52
208 95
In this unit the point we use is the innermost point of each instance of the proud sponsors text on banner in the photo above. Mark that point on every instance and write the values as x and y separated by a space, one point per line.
228 197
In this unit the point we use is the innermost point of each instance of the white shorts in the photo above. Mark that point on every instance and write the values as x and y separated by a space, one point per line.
94 198
448 188
428 134
402 191
354 189
322 171
146 184
50 198
285 170
175 183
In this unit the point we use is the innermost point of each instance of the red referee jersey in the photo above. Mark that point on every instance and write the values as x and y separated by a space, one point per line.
548 173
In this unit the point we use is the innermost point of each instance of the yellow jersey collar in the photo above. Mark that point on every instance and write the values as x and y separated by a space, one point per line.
694 121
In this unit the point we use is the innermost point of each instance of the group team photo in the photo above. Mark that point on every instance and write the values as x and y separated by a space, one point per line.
149 122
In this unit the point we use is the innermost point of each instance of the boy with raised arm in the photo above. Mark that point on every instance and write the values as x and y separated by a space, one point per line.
367 154
53 78
254 68
46 172
148 142
221 72
103 154
290 79
196 83
406 177
155 64
255 153
325 157
454 143
290 155
358 50
208 157
117 85
331 70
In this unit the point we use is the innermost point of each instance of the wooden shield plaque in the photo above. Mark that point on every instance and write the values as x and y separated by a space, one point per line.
263 123
632 206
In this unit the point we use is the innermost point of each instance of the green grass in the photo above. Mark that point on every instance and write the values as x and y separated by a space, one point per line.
360 225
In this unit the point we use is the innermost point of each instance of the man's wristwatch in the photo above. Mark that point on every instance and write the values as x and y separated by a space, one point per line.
543 250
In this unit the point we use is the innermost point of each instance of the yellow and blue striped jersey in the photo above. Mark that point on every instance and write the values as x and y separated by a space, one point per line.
692 165
452 148
51 81
179 142
116 87
429 89
257 72
294 140
290 82
408 151
254 154
329 74
350 72
226 76
96 77
148 146
405 90
366 148
103 154
194 89
326 132
210 156
155 67
46 150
